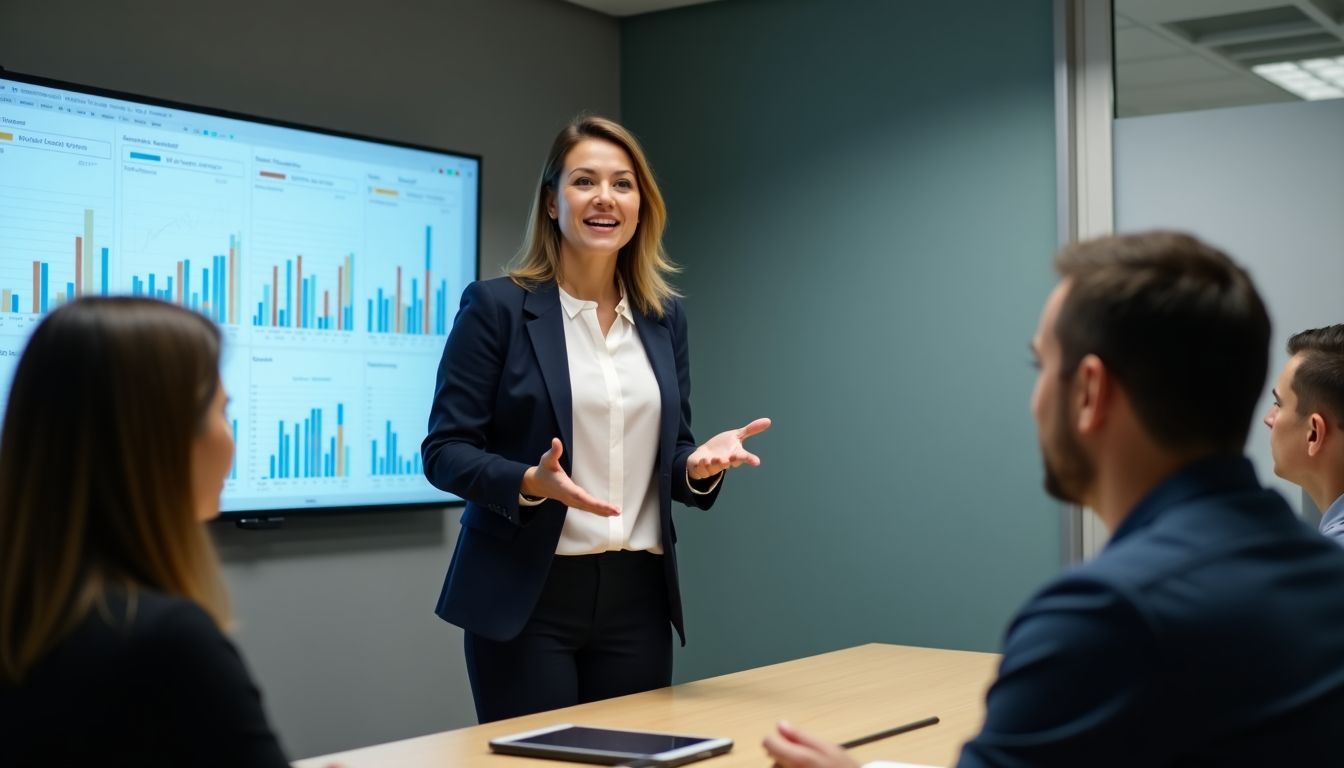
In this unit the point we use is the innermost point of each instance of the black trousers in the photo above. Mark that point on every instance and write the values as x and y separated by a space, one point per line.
600 629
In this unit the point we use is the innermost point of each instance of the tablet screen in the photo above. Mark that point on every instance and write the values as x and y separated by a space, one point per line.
610 746
603 740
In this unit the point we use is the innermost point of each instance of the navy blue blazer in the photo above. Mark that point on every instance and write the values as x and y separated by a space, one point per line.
1210 631
502 394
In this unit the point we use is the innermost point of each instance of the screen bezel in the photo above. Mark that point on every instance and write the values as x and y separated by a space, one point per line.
236 516
520 744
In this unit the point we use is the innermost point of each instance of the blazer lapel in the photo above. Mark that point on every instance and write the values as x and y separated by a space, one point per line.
546 329
658 346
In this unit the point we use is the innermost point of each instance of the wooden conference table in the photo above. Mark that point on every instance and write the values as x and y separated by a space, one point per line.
838 696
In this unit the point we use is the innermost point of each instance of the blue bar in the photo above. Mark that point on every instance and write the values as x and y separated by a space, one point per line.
69 291
416 310
315 443
104 271
14 303
443 307
186 281
298 447
218 295
272 466
289 290
44 286
223 287
373 457
168 292
427 231
145 156
205 289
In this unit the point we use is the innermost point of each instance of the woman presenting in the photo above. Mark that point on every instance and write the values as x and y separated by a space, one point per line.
562 415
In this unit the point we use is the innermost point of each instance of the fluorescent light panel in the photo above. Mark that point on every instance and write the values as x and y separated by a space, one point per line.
1311 79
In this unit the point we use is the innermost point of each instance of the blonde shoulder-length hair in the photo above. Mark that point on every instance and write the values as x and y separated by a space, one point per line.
642 265
95 470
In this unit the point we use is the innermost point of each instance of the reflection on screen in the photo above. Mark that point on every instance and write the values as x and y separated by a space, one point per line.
613 741
332 265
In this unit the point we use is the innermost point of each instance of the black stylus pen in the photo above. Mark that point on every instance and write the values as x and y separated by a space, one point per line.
889 732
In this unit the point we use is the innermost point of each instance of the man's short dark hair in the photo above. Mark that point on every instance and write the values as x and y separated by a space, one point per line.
1178 324
1319 379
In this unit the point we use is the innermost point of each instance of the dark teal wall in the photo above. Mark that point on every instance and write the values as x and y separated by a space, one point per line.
862 194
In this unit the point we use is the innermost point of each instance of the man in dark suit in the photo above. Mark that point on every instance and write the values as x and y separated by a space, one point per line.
1210 631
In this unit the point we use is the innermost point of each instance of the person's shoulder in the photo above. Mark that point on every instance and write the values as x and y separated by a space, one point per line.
502 289
1236 531
674 312
159 619
499 297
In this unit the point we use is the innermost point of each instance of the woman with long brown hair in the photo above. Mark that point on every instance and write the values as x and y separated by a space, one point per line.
114 451
562 415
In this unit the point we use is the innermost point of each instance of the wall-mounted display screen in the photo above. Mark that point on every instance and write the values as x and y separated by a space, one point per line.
333 265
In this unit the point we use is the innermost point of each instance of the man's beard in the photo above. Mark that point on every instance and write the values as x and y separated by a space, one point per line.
1068 470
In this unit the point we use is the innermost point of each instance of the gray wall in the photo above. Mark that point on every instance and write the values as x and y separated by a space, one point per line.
863 196
335 615
1266 183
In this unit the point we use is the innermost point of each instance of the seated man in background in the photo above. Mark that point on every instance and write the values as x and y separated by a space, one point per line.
1210 631
1306 422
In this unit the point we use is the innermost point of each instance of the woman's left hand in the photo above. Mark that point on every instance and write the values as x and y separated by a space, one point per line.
725 451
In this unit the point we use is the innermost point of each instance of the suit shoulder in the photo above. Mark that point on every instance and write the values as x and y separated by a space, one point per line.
500 289
674 312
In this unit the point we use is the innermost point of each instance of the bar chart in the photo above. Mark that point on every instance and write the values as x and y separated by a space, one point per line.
293 297
412 303
393 457
51 252
214 293
328 365
183 222
312 446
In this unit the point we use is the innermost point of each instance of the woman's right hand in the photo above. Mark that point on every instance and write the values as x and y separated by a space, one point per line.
549 479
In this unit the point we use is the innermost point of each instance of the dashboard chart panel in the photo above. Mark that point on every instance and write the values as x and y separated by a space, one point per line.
332 264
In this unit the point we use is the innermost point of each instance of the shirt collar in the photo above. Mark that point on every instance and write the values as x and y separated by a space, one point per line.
573 306
1207 476
1334 516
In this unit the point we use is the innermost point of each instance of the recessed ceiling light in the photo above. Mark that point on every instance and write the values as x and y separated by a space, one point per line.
1310 79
